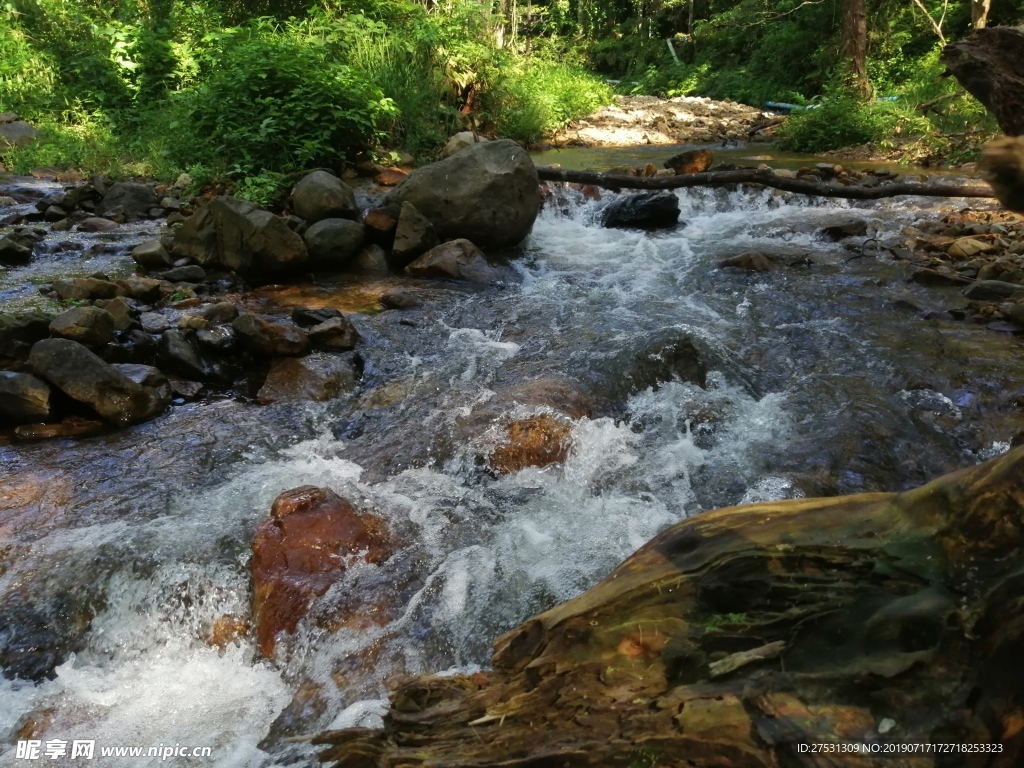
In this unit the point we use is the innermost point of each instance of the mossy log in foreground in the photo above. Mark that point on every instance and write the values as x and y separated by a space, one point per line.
740 634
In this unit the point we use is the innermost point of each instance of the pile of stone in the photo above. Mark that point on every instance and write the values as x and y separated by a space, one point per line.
432 224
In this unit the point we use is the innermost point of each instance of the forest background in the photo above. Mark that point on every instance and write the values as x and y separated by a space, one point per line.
250 91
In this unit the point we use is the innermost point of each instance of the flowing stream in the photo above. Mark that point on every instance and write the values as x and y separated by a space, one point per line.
118 553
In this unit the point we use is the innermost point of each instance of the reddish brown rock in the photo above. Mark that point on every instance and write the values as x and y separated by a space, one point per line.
694 161
226 630
752 261
533 442
301 551
390 177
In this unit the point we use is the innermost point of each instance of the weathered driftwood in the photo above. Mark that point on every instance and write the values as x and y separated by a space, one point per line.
739 635
766 178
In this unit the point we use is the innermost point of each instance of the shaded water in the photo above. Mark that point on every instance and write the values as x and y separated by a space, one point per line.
118 552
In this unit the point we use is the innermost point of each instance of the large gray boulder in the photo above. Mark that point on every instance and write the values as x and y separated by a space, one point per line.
332 243
487 193
83 376
133 198
238 236
24 399
15 132
320 195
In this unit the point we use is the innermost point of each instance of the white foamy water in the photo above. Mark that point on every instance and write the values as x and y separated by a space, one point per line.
479 554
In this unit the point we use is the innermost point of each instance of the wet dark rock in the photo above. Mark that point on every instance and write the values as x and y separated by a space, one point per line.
487 193
147 376
220 340
135 200
667 357
414 236
322 195
23 327
316 378
852 228
751 261
338 333
459 259
34 641
83 376
332 243
380 225
190 274
306 316
220 312
14 250
372 258
185 388
86 325
991 290
926 276
71 290
236 235
96 224
154 322
400 300
179 353
23 398
152 254
648 210
135 346
260 337
54 214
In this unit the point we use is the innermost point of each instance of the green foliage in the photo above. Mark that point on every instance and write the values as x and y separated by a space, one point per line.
263 189
527 99
841 120
277 103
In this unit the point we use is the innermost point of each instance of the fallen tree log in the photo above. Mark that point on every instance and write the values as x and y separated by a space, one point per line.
750 636
765 178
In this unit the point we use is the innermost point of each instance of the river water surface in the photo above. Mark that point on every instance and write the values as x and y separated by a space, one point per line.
828 376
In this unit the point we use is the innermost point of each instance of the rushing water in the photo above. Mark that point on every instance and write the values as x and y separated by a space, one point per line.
119 552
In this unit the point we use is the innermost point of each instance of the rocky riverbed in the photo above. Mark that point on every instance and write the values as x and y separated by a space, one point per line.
318 513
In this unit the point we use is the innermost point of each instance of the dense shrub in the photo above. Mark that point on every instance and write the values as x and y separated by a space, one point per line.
274 103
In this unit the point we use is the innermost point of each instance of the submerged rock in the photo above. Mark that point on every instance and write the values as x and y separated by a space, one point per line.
739 635
537 441
647 210
316 378
487 193
301 551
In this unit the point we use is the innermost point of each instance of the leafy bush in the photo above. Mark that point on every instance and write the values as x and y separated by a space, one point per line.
842 120
276 103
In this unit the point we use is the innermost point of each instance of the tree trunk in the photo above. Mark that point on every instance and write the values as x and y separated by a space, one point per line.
855 45
989 63
765 178
750 636
979 13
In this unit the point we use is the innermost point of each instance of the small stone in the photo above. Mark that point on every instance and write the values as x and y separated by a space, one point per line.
967 247
306 316
400 300
315 378
458 259
270 339
193 323
152 254
372 258
337 334
991 290
220 340
221 312
154 322
390 177
96 224
120 309
190 274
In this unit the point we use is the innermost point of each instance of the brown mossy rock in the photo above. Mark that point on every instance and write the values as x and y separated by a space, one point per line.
536 441
739 634
300 552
